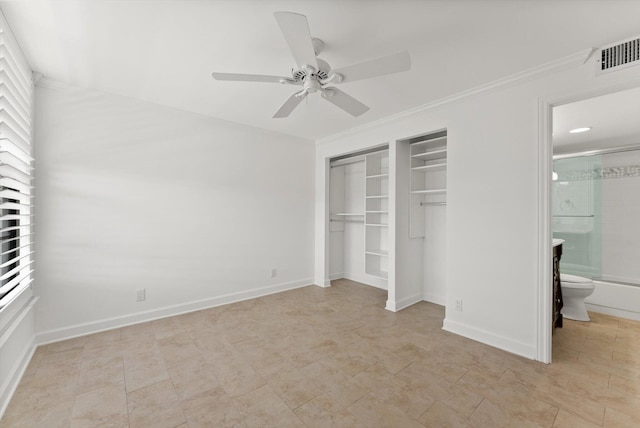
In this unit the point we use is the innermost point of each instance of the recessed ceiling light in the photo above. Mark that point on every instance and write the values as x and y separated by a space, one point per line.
579 130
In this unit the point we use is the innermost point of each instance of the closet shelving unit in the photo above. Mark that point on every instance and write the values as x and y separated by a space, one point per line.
376 215
428 179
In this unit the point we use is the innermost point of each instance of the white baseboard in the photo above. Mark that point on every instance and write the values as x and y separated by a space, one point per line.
401 304
506 344
434 298
366 279
140 317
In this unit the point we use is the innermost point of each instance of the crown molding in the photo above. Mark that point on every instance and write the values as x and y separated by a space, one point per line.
534 73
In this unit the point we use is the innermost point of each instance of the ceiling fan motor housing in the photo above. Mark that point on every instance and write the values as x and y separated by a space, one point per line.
304 73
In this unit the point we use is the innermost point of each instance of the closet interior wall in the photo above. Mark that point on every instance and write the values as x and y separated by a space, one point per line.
359 218
428 220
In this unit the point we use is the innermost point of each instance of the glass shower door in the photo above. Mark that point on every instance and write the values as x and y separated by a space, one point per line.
577 214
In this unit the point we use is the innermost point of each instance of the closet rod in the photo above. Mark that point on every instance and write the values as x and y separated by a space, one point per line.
347 161
347 220
423 204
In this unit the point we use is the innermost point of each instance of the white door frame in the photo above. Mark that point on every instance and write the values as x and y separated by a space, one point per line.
545 166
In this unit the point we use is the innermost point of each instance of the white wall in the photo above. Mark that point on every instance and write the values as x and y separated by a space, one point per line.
495 195
133 195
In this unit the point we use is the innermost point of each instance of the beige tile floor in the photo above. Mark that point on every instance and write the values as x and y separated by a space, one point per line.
327 357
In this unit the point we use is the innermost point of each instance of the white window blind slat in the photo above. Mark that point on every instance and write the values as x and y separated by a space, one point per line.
16 107
17 196
20 257
10 183
23 218
13 250
6 288
16 270
18 241
15 206
7 158
7 133
19 123
8 147
12 70
13 96
13 53
9 120
13 172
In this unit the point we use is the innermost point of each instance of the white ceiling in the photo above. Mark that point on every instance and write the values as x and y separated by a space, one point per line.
614 120
165 51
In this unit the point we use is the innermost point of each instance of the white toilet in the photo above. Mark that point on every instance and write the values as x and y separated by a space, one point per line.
574 290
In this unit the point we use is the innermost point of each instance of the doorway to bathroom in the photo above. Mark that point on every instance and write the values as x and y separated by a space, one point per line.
595 197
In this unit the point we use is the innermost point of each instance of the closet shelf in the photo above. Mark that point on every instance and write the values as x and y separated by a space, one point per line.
433 154
348 214
377 176
377 212
429 141
377 196
428 192
432 167
377 252
376 225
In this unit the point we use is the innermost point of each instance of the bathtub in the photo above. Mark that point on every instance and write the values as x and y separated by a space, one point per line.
617 299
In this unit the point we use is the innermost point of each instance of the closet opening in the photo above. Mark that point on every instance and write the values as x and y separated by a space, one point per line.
426 158
359 217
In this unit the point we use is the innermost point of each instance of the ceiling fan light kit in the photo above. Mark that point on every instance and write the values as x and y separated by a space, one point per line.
314 74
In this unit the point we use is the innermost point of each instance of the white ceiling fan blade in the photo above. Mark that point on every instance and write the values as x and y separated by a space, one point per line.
288 106
296 32
251 78
376 67
344 101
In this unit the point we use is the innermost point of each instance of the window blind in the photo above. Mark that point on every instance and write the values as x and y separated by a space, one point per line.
16 102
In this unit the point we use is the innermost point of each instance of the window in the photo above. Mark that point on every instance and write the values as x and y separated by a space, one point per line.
16 101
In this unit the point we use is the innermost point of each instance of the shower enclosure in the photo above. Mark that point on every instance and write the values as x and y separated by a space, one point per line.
595 208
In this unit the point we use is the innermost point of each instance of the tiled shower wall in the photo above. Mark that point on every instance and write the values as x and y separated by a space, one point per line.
621 217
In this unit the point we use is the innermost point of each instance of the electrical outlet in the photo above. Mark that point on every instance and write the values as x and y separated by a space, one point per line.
273 272
140 295
459 305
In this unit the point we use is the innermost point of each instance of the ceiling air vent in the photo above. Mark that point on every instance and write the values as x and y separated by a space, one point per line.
619 55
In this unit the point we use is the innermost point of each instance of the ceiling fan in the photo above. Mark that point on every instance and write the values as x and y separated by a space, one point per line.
314 74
